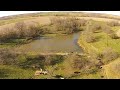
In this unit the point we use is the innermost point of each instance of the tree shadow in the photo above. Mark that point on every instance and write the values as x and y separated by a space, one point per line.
97 39
33 62
4 73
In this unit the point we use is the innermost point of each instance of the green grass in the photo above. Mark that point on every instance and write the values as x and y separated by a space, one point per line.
14 72
115 28
89 76
26 71
111 69
103 42
12 43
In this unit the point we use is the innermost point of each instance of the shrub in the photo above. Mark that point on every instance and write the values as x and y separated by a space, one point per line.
113 23
67 25
7 56
2 38
114 36
36 61
33 31
90 37
109 54
79 62
93 26
20 30
8 33
20 27
107 29
52 60
40 61
82 22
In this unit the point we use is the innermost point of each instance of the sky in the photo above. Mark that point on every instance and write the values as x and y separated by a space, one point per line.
7 13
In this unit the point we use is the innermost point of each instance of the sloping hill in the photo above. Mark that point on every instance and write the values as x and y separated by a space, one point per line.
112 70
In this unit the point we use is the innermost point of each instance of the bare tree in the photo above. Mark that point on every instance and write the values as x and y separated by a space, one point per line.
20 27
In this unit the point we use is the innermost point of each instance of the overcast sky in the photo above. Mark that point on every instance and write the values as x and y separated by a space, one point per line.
7 13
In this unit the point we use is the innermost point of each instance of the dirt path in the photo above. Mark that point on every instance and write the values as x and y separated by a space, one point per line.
105 72
59 53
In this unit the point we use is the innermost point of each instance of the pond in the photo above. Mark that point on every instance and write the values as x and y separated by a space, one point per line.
59 43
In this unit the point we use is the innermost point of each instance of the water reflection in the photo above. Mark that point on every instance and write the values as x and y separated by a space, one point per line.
63 43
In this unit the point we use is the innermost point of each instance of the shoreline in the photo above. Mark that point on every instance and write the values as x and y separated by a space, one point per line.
85 46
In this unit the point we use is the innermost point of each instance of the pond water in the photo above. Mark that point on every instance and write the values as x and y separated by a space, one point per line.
61 43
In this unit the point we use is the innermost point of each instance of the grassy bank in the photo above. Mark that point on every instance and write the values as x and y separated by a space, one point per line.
112 70
15 72
103 42
95 49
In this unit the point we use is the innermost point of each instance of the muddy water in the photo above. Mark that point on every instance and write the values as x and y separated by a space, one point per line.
62 43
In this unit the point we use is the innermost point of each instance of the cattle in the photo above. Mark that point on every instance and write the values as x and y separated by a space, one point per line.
76 72
44 72
102 76
38 72
61 78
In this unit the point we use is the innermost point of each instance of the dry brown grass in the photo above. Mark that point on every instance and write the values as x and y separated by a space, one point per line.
46 20
98 19
112 70
118 33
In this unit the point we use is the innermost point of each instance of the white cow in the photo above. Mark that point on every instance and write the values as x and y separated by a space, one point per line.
38 72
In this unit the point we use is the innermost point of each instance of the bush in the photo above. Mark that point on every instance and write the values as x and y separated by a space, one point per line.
8 33
82 22
33 61
33 31
90 38
40 61
93 26
107 29
113 23
24 31
20 27
7 56
67 25
79 62
2 38
114 36
109 54
21 30
52 60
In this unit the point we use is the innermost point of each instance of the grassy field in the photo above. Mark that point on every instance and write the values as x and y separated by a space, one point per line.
103 42
110 70
14 72
64 65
